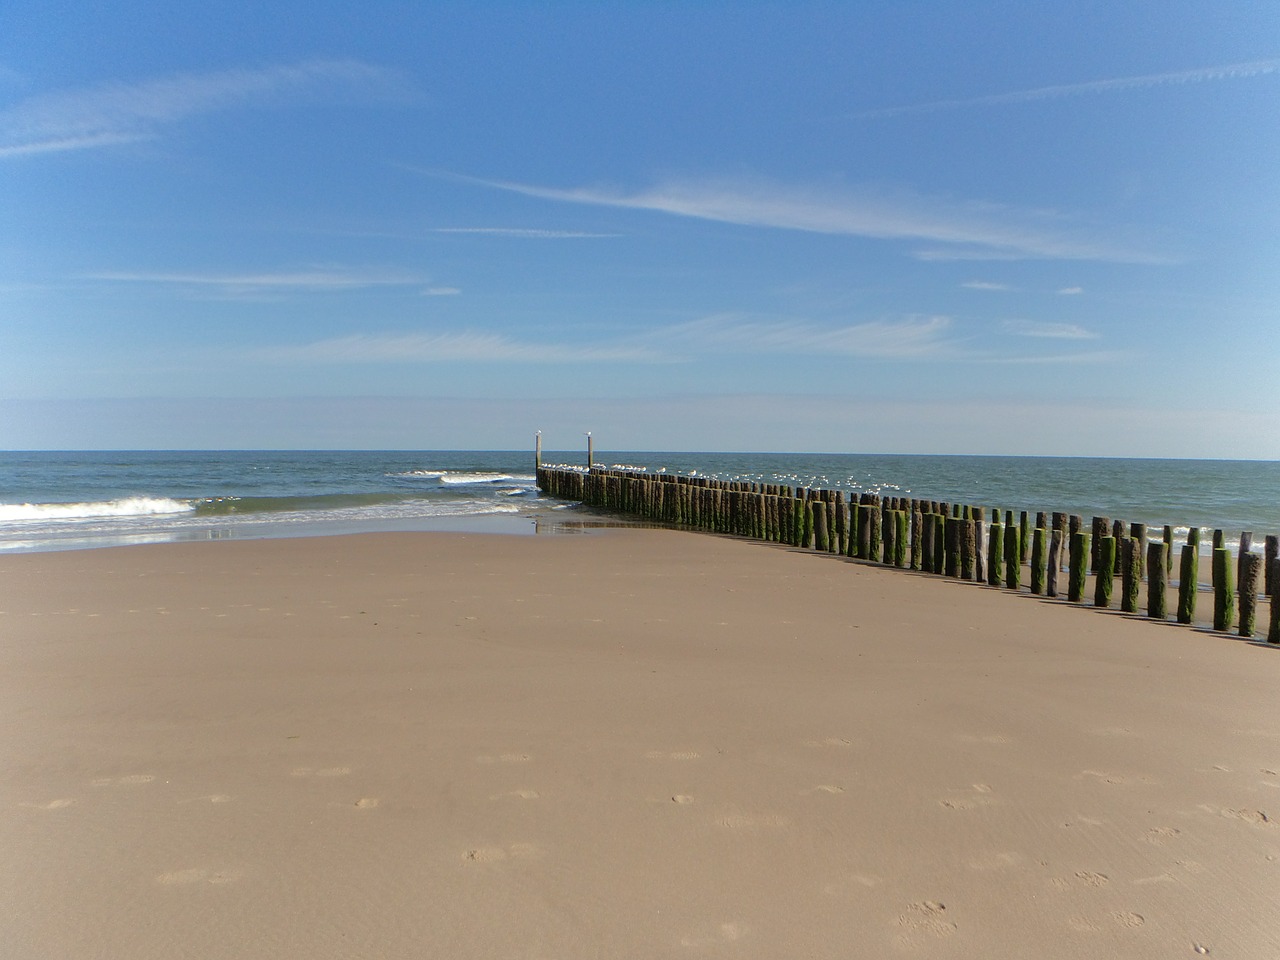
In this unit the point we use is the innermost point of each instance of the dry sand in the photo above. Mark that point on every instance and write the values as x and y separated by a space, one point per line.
634 744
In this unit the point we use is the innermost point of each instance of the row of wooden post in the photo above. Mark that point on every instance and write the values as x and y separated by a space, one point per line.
953 540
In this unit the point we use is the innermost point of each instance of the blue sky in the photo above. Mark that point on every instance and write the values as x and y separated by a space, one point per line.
1042 228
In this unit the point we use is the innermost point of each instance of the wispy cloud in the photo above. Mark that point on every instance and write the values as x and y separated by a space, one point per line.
985 285
312 280
441 292
1070 291
526 232
1255 68
450 348
1051 331
978 230
120 112
912 338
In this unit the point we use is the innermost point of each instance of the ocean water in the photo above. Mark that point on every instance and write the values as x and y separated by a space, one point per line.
51 501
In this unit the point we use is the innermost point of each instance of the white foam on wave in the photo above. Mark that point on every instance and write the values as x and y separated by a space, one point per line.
126 507
458 479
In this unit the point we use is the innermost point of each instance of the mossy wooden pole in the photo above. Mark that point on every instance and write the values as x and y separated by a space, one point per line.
1078 567
1101 530
1224 600
864 531
1168 554
995 554
1270 552
979 545
1273 601
939 542
953 547
1138 532
1250 568
1131 575
889 527
1039 561
1157 581
591 459
877 533
807 542
1054 566
1024 537
842 524
1104 582
901 557
917 535
1012 558
968 548
1188 574
821 542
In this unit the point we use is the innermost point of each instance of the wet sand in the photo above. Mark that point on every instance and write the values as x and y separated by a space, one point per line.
630 743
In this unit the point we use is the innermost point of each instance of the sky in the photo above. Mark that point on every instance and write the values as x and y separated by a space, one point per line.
1044 228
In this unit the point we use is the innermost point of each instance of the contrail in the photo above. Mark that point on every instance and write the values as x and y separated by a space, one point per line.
1231 71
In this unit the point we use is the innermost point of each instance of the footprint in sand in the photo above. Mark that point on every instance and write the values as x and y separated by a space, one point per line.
60 804
723 933
980 797
1087 878
682 798
1161 835
829 788
750 823
841 742
495 854
522 794
132 779
365 803
197 875
923 921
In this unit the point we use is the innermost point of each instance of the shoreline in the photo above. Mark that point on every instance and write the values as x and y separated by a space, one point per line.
641 743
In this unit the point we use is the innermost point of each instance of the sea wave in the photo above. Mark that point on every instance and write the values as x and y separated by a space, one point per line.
125 507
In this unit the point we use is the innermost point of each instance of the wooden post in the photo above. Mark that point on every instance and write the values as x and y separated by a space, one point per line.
1131 575
1168 554
979 545
537 450
890 530
1054 566
1246 544
1188 574
1157 581
842 531
917 535
995 554
1024 537
953 547
877 533
900 556
1250 568
1105 577
1012 558
968 548
1039 561
1272 551
939 542
821 542
590 453
1224 600
1273 602
1101 528
1138 533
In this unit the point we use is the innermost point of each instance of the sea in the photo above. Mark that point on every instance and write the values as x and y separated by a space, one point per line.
80 500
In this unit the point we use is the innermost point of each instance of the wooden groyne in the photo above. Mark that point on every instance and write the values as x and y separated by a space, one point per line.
960 541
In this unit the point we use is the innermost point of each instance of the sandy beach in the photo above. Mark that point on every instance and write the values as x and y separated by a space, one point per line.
627 743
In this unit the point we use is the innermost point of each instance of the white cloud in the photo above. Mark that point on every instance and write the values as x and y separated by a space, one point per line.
914 338
1052 331
526 232
441 292
119 112
1229 71
978 230
1070 291
319 279
984 285
449 347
